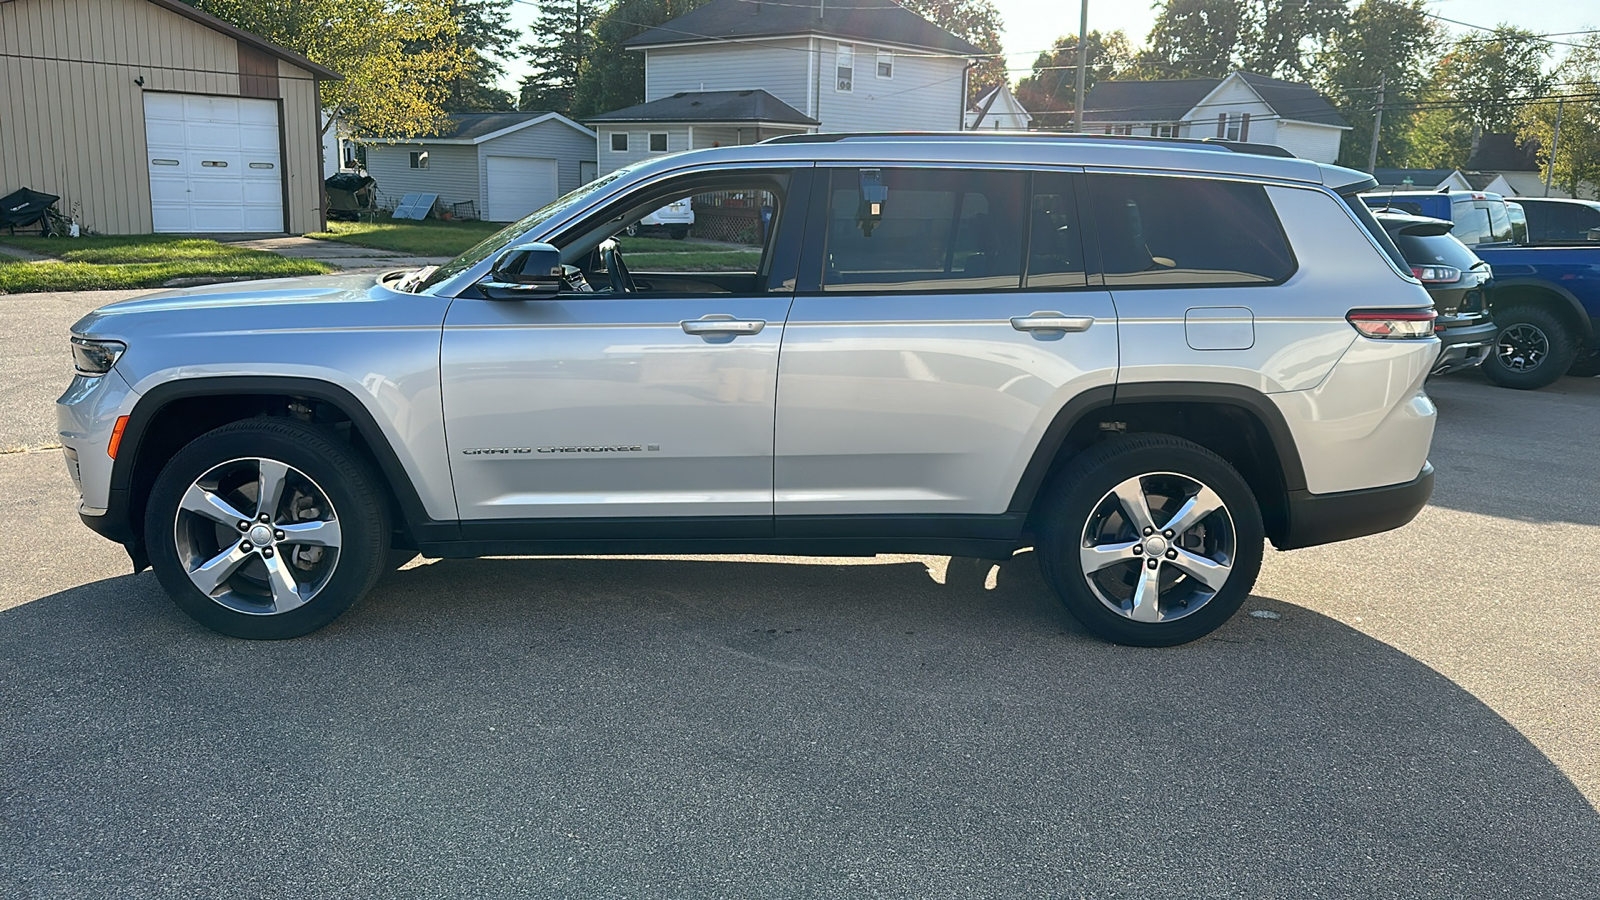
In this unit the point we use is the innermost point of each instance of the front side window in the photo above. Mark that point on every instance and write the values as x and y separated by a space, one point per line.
619 141
658 142
846 82
419 159
924 229
1168 231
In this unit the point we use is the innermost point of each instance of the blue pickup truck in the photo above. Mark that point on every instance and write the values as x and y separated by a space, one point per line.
1546 299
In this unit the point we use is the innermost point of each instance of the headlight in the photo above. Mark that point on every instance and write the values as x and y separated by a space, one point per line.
95 357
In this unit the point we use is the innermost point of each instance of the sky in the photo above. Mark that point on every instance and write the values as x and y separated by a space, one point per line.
1031 25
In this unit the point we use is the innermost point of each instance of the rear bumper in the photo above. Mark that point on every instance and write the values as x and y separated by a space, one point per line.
1325 518
1464 346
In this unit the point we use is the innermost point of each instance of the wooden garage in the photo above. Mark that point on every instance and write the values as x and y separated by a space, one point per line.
151 116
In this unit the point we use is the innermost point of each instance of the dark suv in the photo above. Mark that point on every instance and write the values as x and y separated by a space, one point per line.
1457 280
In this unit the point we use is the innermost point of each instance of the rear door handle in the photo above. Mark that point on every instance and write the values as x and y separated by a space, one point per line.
1051 321
722 324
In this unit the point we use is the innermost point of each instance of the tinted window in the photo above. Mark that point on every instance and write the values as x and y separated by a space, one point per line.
1472 222
1055 248
1157 230
1499 221
933 229
1435 250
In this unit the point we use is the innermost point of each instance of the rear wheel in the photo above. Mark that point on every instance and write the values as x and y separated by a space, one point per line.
680 232
1531 350
267 529
1151 540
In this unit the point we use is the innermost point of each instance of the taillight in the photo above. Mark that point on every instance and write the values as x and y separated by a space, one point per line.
1436 274
1394 324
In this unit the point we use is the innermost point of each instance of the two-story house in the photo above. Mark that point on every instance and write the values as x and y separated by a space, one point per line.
739 71
1242 106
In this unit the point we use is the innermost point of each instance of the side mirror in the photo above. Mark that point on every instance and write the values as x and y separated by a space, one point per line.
525 272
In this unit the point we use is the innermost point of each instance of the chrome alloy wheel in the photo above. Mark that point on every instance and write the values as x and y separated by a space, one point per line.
1522 347
1158 547
257 536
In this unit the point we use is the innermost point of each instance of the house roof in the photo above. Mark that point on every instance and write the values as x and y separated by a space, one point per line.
1173 99
866 20
711 106
475 128
254 40
1422 179
1501 152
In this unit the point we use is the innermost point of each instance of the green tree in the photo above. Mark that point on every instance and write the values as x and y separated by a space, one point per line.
1479 86
397 56
1577 162
1195 39
977 22
1283 36
563 43
484 35
613 77
1392 42
1050 89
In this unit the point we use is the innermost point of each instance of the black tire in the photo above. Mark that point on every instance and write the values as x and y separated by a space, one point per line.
632 230
679 234
1531 350
1076 503
350 489
1586 367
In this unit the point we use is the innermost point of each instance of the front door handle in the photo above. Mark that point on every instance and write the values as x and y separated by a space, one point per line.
718 324
1051 321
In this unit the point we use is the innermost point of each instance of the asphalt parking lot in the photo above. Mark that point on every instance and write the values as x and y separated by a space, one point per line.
1415 714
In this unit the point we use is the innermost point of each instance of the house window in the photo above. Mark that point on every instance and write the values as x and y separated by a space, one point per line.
885 64
419 159
1163 130
1119 129
1231 131
846 82
619 142
658 142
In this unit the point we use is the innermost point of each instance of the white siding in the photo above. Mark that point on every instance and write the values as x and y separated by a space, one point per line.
1235 98
452 173
546 140
1319 143
778 67
638 143
923 95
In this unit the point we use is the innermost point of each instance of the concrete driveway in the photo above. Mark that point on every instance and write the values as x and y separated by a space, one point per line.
1415 714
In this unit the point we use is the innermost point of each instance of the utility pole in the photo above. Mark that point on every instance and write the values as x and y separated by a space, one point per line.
1555 144
1083 59
1377 128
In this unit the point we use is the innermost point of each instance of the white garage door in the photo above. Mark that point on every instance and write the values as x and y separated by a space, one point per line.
518 186
214 163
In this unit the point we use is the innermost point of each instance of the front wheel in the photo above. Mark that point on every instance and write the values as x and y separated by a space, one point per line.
1531 350
267 529
1151 540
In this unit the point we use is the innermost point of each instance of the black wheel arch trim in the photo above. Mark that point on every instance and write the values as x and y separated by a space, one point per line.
1109 399
1586 325
117 524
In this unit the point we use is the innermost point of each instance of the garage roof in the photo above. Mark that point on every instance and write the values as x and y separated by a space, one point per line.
711 106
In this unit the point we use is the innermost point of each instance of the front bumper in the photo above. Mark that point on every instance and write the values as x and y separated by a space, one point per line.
1325 518
1464 345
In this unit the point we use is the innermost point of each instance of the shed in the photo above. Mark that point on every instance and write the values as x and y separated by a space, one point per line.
495 166
149 115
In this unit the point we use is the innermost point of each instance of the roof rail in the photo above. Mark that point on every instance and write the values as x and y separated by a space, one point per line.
1061 136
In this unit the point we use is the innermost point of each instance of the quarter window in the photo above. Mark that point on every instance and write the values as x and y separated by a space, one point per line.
846 82
924 229
658 142
1164 231
619 141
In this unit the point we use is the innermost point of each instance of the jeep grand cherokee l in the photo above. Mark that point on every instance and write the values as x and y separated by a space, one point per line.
1140 358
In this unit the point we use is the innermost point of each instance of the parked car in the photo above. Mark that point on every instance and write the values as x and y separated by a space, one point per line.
1553 220
676 218
955 378
1457 280
1546 299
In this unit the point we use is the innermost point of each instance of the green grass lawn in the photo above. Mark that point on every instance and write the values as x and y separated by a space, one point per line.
428 237
125 262
691 261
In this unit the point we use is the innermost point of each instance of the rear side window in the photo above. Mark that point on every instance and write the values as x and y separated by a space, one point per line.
925 229
1164 231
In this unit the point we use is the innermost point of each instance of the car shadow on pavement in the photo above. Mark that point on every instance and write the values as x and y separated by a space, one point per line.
698 728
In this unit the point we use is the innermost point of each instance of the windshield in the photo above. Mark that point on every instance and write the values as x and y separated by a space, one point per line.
509 234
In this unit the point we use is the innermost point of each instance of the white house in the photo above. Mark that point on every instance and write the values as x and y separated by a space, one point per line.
495 166
1242 106
739 71
998 110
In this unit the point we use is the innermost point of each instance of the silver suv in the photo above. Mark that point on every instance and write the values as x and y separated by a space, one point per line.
1140 358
